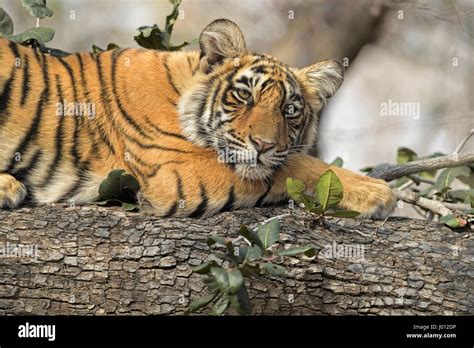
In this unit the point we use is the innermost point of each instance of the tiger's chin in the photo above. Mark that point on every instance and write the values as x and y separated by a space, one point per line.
253 172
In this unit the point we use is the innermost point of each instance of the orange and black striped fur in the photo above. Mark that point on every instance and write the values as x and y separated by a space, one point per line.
203 132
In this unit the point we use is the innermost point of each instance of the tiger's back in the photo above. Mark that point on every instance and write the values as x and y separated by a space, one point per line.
66 122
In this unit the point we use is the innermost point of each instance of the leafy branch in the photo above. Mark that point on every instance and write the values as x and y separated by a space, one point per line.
34 37
328 194
153 37
226 284
453 206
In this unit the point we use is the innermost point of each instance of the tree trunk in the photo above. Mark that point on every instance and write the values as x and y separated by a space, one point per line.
93 260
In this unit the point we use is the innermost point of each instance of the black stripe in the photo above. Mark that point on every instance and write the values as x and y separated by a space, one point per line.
161 131
77 185
58 141
213 104
263 196
230 201
179 188
21 174
32 133
4 99
25 89
153 146
85 94
7 88
77 121
115 56
172 210
179 185
168 74
202 207
104 99
71 77
159 166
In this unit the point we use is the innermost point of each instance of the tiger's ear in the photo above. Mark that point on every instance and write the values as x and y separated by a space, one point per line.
220 39
323 78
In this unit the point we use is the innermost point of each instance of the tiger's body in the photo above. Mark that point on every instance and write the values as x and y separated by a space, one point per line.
166 118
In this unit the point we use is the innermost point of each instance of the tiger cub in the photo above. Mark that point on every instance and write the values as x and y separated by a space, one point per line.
203 132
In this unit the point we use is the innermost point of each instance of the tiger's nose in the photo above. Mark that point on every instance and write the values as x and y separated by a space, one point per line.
261 145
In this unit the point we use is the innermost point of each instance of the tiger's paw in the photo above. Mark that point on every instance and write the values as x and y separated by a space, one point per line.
12 192
373 198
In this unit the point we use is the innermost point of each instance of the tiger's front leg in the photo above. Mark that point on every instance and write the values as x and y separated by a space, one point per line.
197 186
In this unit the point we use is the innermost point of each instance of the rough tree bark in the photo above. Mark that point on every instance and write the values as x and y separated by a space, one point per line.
94 260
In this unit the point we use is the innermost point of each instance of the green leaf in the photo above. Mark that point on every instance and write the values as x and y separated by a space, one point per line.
273 269
119 186
213 239
221 305
6 23
203 268
468 211
129 206
250 235
221 276
446 177
338 162
269 233
295 187
201 302
171 18
329 190
250 254
405 155
308 201
465 196
241 301
450 220
307 251
344 214
317 210
111 46
236 281
37 8
154 38
41 35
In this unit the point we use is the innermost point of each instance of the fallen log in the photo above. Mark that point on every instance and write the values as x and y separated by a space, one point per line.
91 260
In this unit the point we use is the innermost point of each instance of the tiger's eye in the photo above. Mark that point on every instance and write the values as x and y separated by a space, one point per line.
243 94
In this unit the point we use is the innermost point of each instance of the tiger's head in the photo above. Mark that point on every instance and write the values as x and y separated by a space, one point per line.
254 110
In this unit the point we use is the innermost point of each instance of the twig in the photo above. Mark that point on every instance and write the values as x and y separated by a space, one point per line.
457 206
417 179
436 207
390 173
463 142
279 217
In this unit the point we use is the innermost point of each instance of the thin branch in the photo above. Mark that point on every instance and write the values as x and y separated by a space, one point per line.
392 172
418 179
457 206
463 142
436 207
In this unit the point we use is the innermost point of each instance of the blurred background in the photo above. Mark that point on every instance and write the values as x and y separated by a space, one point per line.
396 52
